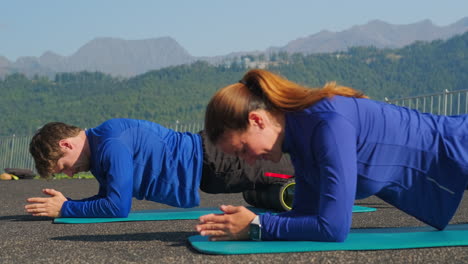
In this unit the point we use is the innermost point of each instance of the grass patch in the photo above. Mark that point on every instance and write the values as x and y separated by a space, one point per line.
83 175
62 176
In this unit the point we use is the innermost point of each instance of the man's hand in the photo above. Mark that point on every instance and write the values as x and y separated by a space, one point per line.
46 206
232 225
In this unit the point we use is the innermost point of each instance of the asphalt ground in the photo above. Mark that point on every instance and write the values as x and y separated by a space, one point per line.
27 239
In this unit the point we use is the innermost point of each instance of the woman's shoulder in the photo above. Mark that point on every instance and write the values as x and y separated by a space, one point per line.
333 104
334 109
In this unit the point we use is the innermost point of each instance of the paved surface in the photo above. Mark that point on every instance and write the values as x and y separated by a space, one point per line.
27 239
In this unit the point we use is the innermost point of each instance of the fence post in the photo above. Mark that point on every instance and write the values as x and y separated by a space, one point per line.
12 150
445 101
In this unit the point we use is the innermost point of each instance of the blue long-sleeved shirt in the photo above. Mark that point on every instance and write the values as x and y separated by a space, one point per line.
141 159
344 149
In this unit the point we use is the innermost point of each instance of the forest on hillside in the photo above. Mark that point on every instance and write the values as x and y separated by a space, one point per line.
181 93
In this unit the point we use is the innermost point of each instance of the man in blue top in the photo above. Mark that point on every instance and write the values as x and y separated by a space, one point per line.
141 159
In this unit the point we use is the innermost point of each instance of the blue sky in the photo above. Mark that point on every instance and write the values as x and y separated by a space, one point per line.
203 27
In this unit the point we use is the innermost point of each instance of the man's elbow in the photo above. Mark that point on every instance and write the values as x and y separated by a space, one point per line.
121 214
118 212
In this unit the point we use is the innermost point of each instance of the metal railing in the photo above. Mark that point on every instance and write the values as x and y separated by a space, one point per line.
14 152
14 149
444 103
193 127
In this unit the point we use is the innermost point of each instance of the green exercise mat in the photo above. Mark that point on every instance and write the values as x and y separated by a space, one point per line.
358 239
170 214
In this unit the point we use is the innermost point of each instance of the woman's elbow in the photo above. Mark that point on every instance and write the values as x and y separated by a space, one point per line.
335 234
322 236
337 237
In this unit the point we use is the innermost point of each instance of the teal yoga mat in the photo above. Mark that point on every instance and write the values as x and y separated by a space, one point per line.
362 209
170 214
151 215
358 239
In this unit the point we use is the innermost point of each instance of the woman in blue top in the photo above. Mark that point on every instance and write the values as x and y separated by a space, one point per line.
343 147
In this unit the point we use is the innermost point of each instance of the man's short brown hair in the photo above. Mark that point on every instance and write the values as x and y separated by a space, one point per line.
45 148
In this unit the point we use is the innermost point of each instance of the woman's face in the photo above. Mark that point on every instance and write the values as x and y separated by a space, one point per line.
260 141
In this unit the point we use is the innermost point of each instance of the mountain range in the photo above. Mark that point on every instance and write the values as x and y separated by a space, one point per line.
127 58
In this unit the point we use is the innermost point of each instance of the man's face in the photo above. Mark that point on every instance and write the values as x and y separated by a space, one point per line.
72 162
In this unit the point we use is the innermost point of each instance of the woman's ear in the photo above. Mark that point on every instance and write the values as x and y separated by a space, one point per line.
256 118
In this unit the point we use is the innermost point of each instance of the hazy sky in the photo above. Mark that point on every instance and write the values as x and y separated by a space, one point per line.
203 27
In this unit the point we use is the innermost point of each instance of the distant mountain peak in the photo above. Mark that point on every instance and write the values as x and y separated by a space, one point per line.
377 33
112 40
128 57
4 62
377 22
425 22
462 22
